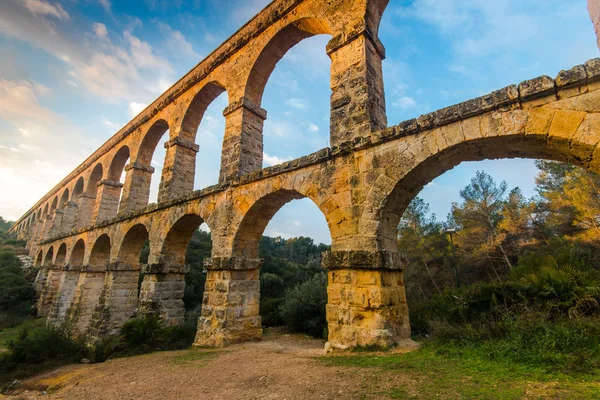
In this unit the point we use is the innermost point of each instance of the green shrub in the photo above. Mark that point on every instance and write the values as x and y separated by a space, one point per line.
303 307
269 312
142 334
17 297
38 349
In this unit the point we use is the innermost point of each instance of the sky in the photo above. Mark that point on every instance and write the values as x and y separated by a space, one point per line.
73 72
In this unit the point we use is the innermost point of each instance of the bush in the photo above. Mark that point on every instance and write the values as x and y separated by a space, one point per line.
303 307
547 316
38 349
17 298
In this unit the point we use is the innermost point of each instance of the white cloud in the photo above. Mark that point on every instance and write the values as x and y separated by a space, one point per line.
18 102
38 147
274 160
105 4
40 7
100 30
313 128
176 40
104 69
404 102
136 108
296 103
142 53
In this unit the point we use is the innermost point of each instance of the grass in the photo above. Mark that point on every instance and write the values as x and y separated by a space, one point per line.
8 334
436 373
195 355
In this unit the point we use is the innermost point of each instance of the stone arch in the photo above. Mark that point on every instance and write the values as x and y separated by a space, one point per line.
49 258
61 256
539 133
77 254
118 164
45 212
150 141
254 222
196 109
274 51
54 204
375 10
64 198
178 238
94 179
132 244
39 258
100 254
78 189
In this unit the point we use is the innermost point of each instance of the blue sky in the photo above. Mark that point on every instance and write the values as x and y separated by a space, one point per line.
72 72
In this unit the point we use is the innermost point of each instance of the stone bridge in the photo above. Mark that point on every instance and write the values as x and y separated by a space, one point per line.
88 231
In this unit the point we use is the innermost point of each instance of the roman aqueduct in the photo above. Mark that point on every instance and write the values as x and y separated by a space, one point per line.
88 231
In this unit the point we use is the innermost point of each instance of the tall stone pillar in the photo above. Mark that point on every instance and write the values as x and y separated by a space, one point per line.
136 190
70 213
230 308
86 210
49 291
366 301
109 194
243 144
178 170
162 292
357 95
86 297
68 283
118 300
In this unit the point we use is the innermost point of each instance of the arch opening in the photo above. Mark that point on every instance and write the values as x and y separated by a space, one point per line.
49 258
61 256
204 123
179 236
77 254
39 258
132 245
100 255
291 256
290 70
64 198
95 178
78 189
409 185
151 155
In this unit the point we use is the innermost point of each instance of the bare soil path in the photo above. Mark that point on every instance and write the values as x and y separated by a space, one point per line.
282 366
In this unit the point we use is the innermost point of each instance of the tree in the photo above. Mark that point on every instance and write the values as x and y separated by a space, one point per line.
419 239
569 200
479 216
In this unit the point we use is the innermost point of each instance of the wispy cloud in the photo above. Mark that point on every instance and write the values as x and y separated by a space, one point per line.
296 103
40 7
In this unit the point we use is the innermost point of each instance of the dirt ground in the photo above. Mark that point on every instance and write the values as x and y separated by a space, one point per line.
282 366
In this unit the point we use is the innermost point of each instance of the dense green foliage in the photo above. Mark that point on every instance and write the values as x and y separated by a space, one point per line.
303 307
288 265
17 295
198 249
39 349
531 269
